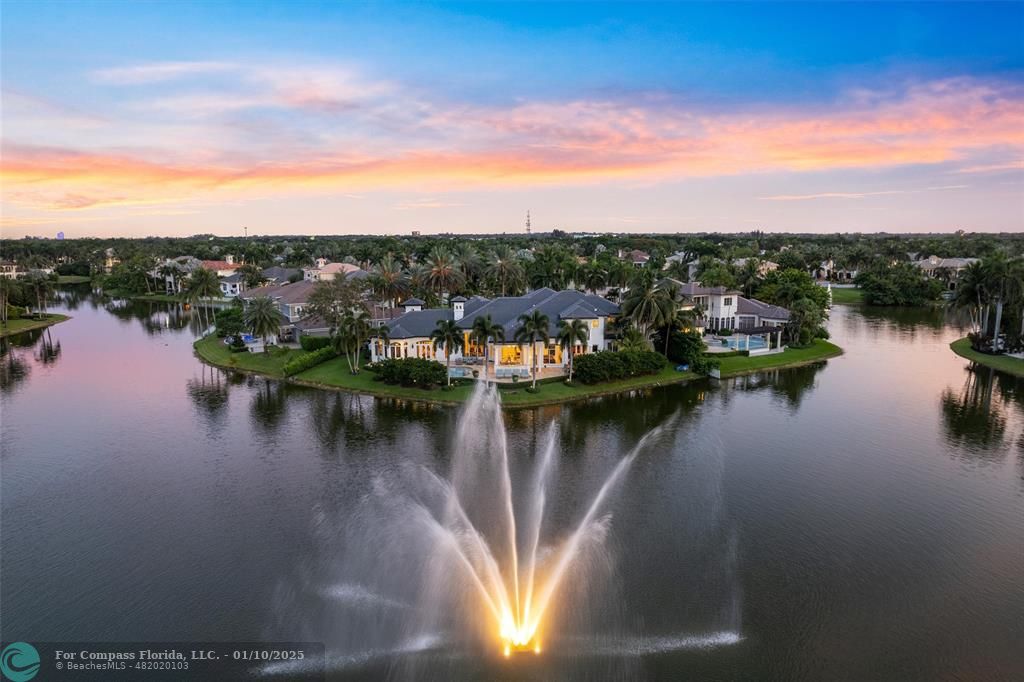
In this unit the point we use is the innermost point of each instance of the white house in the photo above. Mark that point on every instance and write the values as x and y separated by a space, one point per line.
324 271
409 335
944 268
232 285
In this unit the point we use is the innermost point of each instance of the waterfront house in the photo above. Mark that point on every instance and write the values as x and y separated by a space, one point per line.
724 308
10 270
291 299
409 335
947 269
324 271
232 285
223 268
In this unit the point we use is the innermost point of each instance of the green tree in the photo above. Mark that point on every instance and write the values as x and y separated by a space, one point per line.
571 333
41 286
485 330
505 269
263 319
448 335
350 336
202 284
533 327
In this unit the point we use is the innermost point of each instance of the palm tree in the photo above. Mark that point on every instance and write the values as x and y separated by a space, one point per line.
352 333
41 286
383 335
262 319
252 275
505 268
449 335
470 264
203 283
169 270
482 332
533 327
594 276
972 296
647 306
389 281
749 275
997 281
9 288
632 339
442 272
569 334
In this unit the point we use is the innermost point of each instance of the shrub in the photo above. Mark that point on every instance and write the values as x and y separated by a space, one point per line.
685 347
725 332
237 344
312 343
594 368
307 360
230 322
704 364
410 372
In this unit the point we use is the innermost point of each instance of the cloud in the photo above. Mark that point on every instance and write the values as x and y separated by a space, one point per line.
158 72
426 203
856 195
287 129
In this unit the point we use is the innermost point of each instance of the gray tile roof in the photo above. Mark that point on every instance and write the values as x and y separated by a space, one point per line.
297 292
752 306
277 273
505 311
412 301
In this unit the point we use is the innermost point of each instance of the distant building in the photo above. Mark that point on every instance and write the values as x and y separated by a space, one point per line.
947 269
10 270
325 272
223 268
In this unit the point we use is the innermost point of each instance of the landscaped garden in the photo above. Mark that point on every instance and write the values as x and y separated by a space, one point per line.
1003 363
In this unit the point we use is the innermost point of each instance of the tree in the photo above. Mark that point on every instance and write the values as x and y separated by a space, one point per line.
351 334
263 319
805 318
997 282
570 333
202 284
447 334
252 275
389 281
533 327
632 339
9 289
594 276
331 299
41 285
647 306
505 269
442 273
972 296
482 332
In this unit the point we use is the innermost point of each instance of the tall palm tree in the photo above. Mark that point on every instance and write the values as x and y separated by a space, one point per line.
351 334
9 288
41 285
470 264
449 335
594 276
383 335
203 284
505 268
262 319
533 327
570 333
443 274
997 281
482 332
389 281
748 276
971 295
647 306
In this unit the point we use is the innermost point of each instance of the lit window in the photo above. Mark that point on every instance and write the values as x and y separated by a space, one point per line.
594 323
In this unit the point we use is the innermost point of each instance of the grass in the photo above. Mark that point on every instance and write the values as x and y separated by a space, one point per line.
73 279
847 296
214 351
791 357
28 323
334 374
1014 366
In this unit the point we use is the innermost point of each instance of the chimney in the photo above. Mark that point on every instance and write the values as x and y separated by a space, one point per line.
458 308
230 259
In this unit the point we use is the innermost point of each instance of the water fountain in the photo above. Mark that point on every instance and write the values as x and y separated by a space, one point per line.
486 547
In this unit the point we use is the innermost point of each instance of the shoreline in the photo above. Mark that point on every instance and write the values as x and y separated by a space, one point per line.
1000 363
319 377
51 319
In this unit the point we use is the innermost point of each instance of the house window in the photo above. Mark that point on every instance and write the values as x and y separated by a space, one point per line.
552 354
511 355
594 323
727 301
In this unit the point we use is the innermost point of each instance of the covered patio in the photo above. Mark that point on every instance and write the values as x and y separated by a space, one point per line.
755 340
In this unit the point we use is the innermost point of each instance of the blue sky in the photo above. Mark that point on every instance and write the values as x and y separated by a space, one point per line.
174 118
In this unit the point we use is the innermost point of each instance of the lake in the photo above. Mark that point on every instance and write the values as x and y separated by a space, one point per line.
860 519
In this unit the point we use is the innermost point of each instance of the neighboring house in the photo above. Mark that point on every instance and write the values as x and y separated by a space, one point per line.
325 272
827 270
10 270
232 285
763 266
409 334
948 269
724 308
223 268
182 267
637 257
291 300
110 260
280 275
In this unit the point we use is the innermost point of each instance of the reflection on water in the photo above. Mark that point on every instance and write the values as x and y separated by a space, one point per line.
860 518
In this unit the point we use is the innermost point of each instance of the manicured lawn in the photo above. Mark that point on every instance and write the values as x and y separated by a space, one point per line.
737 365
335 374
558 392
73 279
1002 363
29 323
847 296
214 351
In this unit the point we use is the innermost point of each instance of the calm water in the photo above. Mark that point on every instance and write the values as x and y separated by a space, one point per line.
858 520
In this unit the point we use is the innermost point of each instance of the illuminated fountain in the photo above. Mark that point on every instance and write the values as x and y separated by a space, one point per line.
487 552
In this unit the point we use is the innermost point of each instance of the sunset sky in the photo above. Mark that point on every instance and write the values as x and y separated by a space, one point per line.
332 118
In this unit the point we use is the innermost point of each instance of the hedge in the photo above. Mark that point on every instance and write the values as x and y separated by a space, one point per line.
307 360
594 368
410 372
312 343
